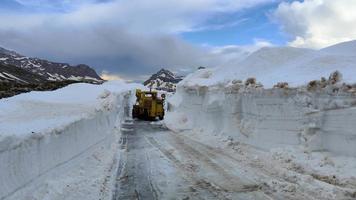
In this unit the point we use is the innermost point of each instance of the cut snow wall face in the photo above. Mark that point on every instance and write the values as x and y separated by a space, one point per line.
270 118
34 157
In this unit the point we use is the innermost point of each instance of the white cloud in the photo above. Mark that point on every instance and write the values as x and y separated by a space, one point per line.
52 3
153 16
109 76
318 23
135 36
231 55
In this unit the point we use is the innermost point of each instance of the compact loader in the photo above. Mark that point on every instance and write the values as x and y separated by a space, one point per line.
148 105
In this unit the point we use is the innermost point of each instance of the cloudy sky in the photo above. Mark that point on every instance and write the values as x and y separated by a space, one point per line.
131 39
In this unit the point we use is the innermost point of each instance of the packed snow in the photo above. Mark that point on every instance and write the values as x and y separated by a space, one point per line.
42 131
41 112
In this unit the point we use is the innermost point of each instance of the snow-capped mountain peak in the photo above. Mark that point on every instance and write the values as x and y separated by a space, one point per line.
163 80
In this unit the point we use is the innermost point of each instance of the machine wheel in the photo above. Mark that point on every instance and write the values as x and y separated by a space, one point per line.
161 117
134 112
145 114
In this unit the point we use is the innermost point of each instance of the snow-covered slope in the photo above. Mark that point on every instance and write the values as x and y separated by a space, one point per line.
41 131
51 71
163 80
271 65
344 48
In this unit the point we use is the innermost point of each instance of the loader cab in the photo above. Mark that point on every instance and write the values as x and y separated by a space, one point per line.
148 106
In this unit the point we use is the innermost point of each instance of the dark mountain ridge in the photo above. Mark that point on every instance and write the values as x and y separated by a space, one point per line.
19 74
51 71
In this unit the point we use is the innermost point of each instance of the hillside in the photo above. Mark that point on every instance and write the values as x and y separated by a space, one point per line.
51 71
18 75
15 80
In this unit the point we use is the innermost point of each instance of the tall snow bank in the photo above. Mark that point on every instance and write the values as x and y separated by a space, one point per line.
269 118
40 131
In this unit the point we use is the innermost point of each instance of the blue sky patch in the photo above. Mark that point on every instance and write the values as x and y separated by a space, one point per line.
251 24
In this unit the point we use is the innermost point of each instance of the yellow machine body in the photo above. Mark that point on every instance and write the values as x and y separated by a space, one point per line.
148 105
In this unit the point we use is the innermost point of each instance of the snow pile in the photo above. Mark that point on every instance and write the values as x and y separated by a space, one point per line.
271 65
318 116
40 131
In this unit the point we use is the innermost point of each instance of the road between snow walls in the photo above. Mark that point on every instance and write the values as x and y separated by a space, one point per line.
42 131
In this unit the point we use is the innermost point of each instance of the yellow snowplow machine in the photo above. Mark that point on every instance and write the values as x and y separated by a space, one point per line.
148 105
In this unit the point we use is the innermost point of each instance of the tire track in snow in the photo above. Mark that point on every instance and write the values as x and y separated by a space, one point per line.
123 141
199 183
224 178
133 177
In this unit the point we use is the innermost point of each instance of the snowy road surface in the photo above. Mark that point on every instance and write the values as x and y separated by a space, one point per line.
158 164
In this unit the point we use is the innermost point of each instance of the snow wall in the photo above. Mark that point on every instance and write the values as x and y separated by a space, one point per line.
28 160
269 118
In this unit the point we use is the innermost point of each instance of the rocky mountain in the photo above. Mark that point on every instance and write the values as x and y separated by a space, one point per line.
51 71
19 74
16 80
12 74
163 80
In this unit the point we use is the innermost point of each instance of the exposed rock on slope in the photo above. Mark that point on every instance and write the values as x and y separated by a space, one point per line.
18 75
51 71
163 80
15 80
